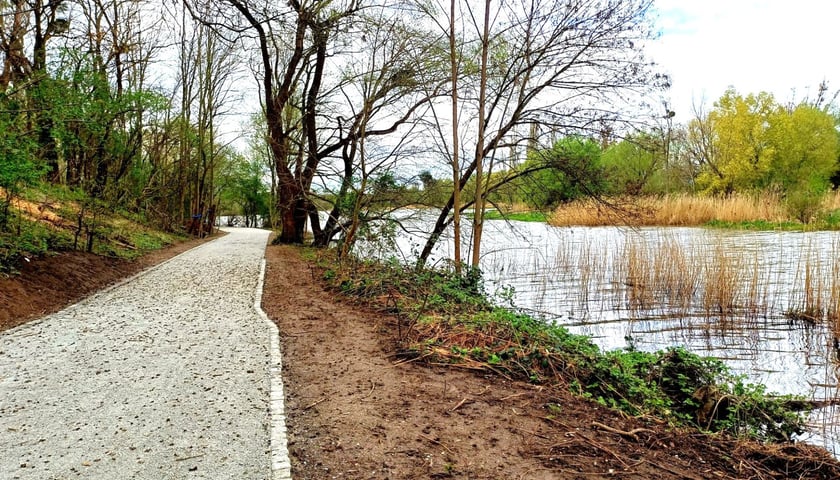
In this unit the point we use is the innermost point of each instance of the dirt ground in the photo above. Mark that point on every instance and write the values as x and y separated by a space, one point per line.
46 285
354 411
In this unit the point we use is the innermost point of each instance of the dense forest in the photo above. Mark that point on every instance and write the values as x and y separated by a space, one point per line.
356 107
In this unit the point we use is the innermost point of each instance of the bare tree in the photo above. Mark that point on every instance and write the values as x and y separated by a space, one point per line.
478 216
568 66
301 48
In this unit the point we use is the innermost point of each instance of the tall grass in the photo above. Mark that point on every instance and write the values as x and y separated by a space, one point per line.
816 289
672 210
664 275
832 201
661 275
724 284
833 312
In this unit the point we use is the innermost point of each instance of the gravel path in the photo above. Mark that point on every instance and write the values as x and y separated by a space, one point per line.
166 376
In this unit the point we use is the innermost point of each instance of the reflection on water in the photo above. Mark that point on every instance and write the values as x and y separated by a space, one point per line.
715 292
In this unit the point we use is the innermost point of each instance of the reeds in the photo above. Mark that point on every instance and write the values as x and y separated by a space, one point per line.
671 210
724 283
653 275
832 201
664 275
701 277
833 310
816 288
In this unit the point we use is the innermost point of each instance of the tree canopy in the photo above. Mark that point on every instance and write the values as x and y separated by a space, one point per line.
754 143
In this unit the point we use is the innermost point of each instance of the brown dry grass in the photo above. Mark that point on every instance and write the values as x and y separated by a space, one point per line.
816 288
834 293
710 277
721 292
663 273
832 201
671 210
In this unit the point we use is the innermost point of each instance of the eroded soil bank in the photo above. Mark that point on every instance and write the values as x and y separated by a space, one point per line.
355 411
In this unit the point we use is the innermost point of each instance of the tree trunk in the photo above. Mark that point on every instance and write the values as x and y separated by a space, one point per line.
478 217
456 165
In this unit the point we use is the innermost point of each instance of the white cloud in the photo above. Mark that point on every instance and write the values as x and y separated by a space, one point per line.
775 46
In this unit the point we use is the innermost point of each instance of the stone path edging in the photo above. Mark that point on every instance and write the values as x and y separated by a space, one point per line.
280 464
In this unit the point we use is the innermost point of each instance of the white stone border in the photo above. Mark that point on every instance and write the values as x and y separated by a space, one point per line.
281 468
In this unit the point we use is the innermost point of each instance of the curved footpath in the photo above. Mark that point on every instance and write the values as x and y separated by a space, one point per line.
173 374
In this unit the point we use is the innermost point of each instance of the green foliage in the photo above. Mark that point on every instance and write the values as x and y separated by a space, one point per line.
804 202
830 220
27 239
17 167
71 218
412 288
567 171
634 166
517 216
244 191
758 144
742 143
757 225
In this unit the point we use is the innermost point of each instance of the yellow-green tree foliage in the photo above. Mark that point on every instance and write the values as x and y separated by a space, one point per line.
759 144
806 147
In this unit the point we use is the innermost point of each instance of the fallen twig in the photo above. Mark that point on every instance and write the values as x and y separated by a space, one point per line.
456 407
372 386
514 396
532 433
437 443
486 388
181 459
589 441
411 360
314 404
629 434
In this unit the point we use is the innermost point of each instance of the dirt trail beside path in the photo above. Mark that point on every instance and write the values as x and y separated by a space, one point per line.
354 412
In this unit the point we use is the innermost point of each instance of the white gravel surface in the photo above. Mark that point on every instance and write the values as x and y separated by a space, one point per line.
166 376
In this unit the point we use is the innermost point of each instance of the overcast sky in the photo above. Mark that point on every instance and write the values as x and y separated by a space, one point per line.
778 46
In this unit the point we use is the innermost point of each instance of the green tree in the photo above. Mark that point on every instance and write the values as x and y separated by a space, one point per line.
16 165
753 143
805 144
244 190
743 151
634 166
564 172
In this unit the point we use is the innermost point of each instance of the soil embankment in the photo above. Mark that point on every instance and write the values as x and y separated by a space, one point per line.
354 411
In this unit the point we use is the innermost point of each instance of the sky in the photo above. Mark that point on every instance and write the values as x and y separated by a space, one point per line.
785 47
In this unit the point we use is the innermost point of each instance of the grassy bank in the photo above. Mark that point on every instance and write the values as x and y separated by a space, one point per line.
751 212
46 219
517 216
449 320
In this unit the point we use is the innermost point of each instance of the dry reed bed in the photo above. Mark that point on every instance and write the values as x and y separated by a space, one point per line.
662 275
676 210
